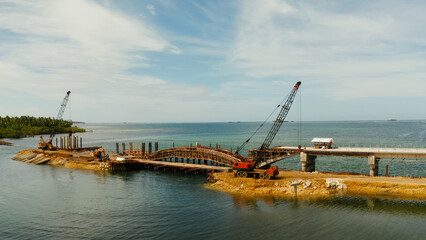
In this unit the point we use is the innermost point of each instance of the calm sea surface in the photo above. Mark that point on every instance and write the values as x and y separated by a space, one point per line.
44 202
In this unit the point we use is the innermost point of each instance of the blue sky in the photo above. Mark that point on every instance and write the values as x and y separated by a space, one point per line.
209 61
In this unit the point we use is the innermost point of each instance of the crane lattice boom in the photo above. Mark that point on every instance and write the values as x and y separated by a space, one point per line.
277 124
280 118
63 106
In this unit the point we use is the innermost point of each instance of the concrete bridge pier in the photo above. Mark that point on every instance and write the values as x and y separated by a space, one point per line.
374 165
308 162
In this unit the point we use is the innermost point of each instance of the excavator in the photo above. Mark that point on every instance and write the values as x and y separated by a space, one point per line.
244 169
98 153
47 145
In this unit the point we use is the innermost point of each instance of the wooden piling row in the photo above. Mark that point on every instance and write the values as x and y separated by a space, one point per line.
69 142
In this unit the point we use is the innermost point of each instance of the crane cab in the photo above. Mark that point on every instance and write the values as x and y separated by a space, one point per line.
243 166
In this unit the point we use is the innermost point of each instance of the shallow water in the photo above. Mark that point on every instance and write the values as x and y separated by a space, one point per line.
39 202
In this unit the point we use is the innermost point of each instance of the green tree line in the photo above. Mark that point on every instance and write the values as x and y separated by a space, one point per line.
17 127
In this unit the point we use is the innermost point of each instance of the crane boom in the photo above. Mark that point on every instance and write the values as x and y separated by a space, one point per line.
245 168
61 111
63 106
277 124
280 118
48 145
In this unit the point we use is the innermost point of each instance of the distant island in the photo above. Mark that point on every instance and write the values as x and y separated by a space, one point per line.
24 126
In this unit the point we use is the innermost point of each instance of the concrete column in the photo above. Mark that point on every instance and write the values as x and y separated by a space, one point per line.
156 146
308 162
374 165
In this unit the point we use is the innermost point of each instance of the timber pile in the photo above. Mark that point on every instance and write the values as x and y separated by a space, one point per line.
38 157
74 159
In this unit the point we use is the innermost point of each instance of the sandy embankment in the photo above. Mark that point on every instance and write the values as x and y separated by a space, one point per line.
323 185
61 159
5 143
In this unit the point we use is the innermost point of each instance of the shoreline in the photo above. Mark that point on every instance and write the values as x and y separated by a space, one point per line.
312 185
315 186
61 158
5 143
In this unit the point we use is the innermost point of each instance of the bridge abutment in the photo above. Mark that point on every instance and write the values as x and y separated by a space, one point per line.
308 162
374 165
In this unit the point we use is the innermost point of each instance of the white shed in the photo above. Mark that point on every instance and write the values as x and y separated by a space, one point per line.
322 143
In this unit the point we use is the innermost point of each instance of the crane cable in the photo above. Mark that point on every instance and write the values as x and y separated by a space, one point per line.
263 123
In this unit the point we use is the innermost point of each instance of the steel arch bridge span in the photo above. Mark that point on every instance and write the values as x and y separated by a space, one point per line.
221 156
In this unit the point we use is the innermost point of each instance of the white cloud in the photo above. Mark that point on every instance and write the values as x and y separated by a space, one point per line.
55 46
151 9
374 47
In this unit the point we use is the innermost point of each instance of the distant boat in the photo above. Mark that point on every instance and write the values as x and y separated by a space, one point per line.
392 120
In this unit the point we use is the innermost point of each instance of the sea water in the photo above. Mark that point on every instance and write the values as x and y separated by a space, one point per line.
44 202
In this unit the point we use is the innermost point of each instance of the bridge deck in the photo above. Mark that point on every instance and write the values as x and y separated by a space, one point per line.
405 153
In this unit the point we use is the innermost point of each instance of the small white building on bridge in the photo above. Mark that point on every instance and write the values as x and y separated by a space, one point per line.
322 143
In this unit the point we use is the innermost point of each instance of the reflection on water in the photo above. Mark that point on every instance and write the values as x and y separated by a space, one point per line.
353 203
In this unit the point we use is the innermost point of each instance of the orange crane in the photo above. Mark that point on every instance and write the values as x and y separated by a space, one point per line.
47 145
244 169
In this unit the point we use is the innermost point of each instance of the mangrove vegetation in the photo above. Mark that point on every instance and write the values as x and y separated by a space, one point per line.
24 126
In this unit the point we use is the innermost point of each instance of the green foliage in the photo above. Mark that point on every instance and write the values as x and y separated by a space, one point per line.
17 127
